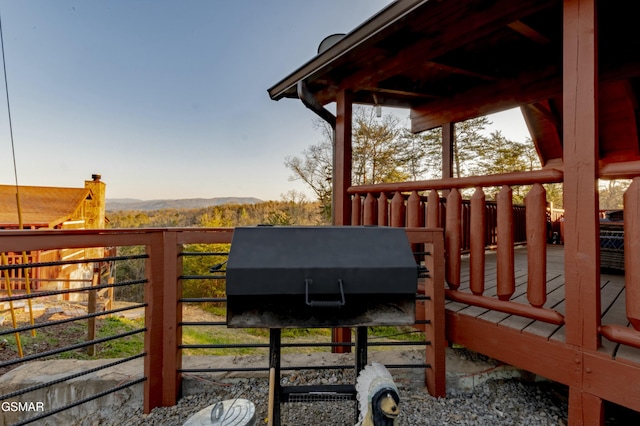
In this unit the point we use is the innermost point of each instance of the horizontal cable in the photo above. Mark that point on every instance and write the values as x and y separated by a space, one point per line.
225 346
407 343
201 323
202 299
209 253
72 376
71 262
81 317
202 277
69 348
72 290
408 365
251 369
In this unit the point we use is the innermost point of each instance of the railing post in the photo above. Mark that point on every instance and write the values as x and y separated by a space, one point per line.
477 241
397 210
433 209
414 210
162 358
356 210
536 224
453 238
369 216
435 328
383 210
506 277
632 251
173 317
153 321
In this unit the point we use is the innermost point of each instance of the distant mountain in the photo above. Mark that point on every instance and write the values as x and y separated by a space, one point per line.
116 204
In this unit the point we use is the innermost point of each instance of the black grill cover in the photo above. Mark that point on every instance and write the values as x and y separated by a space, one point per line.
320 276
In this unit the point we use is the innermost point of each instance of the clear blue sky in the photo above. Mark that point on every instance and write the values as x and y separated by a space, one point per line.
163 98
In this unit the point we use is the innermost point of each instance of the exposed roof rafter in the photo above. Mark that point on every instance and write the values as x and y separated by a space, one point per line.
524 29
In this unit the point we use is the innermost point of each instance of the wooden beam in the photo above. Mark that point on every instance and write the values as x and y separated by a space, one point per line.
560 363
450 31
522 28
580 136
543 108
408 94
460 71
482 100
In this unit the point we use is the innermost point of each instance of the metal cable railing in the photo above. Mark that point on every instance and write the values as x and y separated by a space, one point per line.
220 274
53 297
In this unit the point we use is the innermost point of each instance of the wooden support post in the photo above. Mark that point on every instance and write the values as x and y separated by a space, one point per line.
342 159
341 182
153 338
110 295
585 409
436 379
448 143
580 144
581 226
92 303
172 292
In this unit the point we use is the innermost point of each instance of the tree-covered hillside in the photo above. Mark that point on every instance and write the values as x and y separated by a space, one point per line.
269 212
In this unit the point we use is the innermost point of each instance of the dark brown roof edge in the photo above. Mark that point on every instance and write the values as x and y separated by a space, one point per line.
360 34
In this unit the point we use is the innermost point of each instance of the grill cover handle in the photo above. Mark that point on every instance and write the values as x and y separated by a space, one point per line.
323 303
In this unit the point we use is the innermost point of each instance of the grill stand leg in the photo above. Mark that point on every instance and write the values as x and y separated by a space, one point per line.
274 375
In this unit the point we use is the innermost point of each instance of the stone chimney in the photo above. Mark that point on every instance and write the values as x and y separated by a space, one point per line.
95 208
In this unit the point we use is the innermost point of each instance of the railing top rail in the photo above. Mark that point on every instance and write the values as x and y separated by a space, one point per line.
620 170
550 175
25 240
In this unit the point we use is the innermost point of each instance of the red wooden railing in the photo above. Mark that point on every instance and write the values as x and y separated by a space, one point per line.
388 204
375 209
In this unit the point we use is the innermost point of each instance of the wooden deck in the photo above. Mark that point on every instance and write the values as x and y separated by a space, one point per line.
612 301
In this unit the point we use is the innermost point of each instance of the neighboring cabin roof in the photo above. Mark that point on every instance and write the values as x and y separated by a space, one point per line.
449 61
41 206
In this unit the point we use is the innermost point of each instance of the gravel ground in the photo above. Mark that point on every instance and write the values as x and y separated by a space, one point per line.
502 402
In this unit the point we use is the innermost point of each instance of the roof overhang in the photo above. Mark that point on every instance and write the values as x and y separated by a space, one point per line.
363 35
449 61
